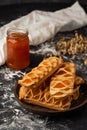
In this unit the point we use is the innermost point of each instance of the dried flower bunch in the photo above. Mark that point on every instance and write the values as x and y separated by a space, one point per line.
74 46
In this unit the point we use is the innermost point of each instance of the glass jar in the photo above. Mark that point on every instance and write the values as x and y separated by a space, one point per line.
17 48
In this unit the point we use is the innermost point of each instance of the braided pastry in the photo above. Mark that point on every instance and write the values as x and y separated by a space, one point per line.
40 73
56 92
43 98
62 83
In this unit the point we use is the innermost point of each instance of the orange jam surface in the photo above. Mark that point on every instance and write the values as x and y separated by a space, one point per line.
18 50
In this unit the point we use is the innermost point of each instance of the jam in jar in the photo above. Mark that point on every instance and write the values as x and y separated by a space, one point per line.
17 48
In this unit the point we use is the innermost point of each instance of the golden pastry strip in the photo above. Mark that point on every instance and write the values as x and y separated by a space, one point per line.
40 73
62 83
59 87
43 98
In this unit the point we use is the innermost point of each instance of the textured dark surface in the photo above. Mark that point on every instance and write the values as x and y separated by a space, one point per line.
12 115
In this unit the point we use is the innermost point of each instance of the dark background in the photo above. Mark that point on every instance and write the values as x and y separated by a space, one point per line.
12 9
5 2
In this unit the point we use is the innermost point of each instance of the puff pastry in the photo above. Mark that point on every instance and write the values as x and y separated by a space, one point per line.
40 73
62 82
59 85
43 98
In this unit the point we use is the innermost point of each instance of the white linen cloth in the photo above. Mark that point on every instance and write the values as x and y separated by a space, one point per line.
43 25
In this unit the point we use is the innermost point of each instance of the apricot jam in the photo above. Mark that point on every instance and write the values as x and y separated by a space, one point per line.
17 49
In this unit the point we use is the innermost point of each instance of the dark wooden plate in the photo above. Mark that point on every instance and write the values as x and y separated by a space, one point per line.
82 100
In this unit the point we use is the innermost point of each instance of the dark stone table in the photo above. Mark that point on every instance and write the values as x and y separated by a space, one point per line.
15 117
